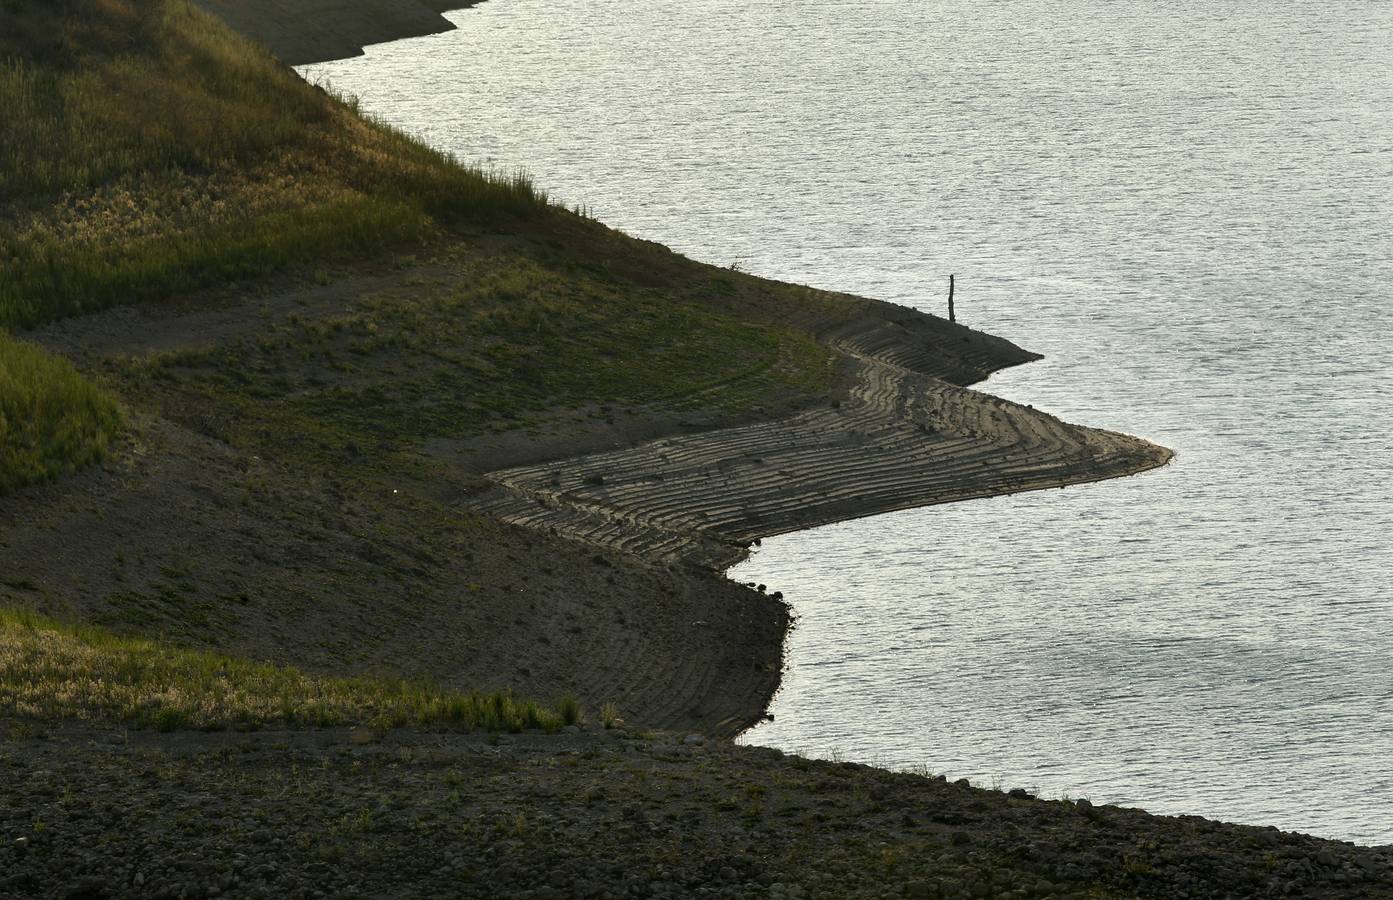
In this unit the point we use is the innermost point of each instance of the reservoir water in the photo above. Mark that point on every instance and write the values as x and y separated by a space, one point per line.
1187 206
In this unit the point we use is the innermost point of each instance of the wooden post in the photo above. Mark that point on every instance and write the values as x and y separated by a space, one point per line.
951 316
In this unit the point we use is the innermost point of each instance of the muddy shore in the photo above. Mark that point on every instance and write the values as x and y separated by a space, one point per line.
592 564
313 31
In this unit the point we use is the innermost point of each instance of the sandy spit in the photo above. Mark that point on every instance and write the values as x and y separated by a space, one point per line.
895 435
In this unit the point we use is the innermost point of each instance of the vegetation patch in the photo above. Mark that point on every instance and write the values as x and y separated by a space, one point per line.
54 671
148 149
52 419
498 344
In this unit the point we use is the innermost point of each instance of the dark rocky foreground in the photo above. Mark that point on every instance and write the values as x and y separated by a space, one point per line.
590 814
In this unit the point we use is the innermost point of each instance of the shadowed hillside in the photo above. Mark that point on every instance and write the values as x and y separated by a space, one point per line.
309 431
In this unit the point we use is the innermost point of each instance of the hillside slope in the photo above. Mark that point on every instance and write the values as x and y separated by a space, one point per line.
330 346
323 432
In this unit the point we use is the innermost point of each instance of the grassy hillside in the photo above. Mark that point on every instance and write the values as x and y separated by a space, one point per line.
145 150
149 149
502 344
324 327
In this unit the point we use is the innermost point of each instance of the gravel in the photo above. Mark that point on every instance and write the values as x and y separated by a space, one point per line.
593 814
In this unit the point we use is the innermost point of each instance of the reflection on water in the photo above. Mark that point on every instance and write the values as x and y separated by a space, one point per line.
1184 205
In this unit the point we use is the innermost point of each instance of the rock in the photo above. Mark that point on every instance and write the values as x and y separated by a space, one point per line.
92 886
361 735
694 739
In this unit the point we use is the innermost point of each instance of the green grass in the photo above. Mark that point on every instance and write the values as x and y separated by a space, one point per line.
145 149
500 345
52 671
52 419
148 149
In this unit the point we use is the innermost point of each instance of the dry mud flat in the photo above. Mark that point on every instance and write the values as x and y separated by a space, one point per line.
897 436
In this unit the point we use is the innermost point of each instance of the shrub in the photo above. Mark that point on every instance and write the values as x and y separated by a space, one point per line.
52 419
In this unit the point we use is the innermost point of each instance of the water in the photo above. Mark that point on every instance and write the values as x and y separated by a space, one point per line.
1185 205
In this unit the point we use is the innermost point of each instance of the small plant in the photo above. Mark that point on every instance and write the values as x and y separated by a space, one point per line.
569 710
360 822
52 420
609 716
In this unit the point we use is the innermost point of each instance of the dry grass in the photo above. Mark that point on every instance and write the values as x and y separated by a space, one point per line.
54 671
51 419
148 149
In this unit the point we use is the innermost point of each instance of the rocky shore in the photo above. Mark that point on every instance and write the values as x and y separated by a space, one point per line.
592 814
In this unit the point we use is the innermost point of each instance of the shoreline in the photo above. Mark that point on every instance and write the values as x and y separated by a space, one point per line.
900 429
297 482
307 33
895 438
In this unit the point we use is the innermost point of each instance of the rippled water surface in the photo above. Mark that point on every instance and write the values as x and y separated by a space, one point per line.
1185 205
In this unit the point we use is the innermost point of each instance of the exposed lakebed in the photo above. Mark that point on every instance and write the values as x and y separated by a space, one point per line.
1184 207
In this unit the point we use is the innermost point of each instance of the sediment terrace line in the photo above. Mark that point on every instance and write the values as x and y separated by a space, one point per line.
901 439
